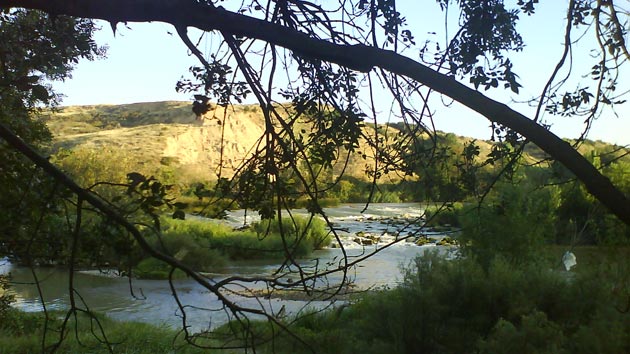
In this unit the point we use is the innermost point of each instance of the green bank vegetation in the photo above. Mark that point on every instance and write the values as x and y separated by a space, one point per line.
201 244
443 306
507 291
459 306
22 332
207 246
501 295
529 204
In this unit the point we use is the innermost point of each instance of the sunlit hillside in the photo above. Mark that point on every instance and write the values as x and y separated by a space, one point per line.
168 134
159 135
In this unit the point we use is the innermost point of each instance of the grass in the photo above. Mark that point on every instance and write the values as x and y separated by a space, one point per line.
206 246
209 208
437 215
22 332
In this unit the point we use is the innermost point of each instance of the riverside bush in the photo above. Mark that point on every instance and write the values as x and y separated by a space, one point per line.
304 234
514 224
459 306
214 208
444 215
205 246
6 298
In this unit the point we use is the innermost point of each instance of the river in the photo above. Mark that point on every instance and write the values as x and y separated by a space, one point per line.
154 303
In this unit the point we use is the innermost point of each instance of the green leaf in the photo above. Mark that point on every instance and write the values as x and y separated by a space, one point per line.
179 214
180 205
40 93
135 178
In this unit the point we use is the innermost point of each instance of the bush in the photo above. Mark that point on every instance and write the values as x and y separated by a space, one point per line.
386 196
322 202
447 215
300 233
187 241
22 332
514 224
6 298
152 268
204 245
535 334
457 306
208 207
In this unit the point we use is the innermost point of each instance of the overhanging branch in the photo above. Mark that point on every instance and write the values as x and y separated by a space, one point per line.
18 144
188 13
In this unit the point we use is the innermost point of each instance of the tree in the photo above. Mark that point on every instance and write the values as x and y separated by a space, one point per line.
36 49
307 31
328 66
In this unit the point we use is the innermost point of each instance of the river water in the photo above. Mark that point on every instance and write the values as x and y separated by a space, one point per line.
380 224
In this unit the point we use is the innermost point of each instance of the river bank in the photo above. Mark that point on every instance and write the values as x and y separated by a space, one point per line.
391 228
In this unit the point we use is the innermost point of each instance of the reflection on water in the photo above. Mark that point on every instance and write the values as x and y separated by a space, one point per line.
154 301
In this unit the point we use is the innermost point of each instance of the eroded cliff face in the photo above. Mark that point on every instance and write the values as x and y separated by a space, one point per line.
216 141
166 138
159 134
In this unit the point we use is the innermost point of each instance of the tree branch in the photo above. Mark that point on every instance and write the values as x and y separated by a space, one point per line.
357 57
84 195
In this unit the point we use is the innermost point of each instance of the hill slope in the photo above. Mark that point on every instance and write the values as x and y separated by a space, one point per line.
157 134
168 133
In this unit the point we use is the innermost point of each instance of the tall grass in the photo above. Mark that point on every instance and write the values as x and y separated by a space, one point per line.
438 215
303 234
206 245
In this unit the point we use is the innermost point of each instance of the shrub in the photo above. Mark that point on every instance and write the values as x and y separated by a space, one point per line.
386 196
514 224
205 245
214 208
447 215
6 298
300 233
188 242
458 306
152 268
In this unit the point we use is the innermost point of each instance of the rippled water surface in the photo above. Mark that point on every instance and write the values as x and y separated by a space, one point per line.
154 302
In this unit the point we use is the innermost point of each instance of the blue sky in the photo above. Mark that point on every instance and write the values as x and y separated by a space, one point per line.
145 61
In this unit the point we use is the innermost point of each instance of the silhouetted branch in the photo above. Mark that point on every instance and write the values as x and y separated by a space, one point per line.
357 57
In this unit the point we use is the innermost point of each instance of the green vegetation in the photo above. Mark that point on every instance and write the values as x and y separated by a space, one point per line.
36 50
300 233
6 298
561 212
508 290
207 246
537 204
210 207
443 306
442 215
513 224
501 294
22 332
459 306
444 168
